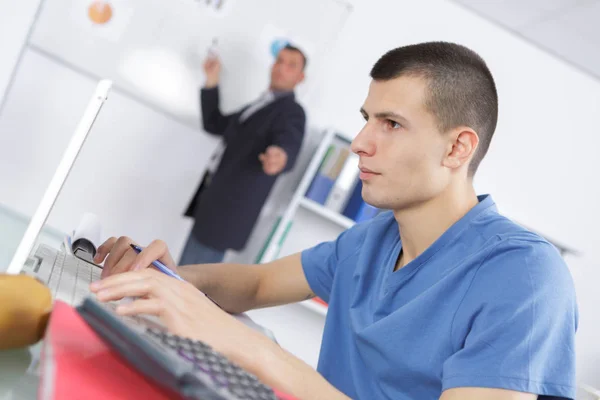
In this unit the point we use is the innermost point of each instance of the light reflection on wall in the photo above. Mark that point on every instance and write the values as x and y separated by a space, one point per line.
165 78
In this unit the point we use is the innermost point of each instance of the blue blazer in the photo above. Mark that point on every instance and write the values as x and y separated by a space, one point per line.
227 204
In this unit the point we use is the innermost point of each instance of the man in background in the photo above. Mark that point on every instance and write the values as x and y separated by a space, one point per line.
262 141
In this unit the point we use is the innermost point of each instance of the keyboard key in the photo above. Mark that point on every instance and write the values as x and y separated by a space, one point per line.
187 356
239 391
203 365
171 341
67 276
222 380
154 332
199 346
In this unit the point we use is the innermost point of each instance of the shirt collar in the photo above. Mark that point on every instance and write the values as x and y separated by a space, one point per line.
278 94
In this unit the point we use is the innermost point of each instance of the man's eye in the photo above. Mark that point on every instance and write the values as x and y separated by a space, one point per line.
393 124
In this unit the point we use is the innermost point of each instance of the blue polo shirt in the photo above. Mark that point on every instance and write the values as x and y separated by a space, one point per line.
488 304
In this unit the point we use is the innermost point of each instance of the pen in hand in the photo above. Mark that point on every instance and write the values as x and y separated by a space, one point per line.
159 265
166 270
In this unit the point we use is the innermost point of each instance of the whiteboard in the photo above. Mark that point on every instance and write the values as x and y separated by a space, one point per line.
153 49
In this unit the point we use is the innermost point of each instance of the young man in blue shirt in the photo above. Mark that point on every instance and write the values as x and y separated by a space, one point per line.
439 298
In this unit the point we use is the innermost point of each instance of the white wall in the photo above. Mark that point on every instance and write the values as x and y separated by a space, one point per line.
540 167
14 27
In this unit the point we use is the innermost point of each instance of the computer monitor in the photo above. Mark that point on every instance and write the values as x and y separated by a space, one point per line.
60 176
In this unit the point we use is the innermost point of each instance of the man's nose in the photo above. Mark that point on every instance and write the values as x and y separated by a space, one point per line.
363 143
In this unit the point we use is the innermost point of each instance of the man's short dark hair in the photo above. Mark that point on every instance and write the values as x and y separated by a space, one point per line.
294 48
461 89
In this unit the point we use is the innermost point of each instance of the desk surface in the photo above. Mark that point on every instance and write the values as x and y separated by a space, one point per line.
18 368
12 229
18 373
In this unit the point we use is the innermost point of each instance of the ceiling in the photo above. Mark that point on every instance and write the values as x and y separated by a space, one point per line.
569 29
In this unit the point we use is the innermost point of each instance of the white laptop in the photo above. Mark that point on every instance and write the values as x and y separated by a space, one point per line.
67 276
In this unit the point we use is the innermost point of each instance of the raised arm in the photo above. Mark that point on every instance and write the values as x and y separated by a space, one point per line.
213 120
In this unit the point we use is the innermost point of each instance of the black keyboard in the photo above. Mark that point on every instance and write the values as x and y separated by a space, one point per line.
188 367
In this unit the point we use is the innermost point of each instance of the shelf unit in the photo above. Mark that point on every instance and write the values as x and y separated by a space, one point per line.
326 213
299 201
591 390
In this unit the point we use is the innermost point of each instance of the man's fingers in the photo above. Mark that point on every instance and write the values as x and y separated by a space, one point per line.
211 62
275 150
126 262
117 252
152 306
129 284
273 167
271 158
138 288
271 171
104 249
122 258
119 279
157 250
275 153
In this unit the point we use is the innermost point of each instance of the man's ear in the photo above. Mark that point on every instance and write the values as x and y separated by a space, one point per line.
462 146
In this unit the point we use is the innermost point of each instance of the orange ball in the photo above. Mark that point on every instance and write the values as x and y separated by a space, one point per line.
100 12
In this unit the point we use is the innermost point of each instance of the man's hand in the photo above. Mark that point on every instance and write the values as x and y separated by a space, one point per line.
273 160
212 70
184 310
122 258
